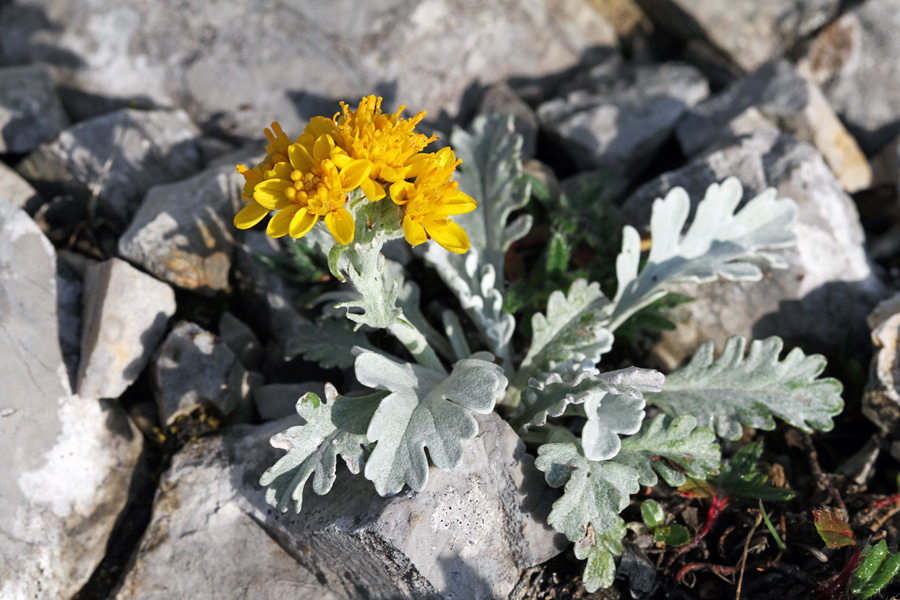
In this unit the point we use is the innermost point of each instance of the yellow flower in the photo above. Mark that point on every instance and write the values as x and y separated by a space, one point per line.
388 141
276 151
312 183
431 200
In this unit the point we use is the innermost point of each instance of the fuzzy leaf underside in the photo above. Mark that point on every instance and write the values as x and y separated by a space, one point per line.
329 342
718 243
679 441
736 390
598 550
337 427
573 328
491 173
377 300
424 409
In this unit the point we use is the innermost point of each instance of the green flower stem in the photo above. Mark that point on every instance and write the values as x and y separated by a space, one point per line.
407 334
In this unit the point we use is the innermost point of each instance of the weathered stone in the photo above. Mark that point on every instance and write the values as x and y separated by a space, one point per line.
792 102
67 461
30 110
201 518
619 115
193 368
749 32
192 54
125 316
17 190
467 535
69 289
821 300
500 99
182 232
856 62
241 340
881 401
115 158
279 400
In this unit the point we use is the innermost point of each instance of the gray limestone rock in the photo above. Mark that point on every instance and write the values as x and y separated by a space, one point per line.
881 400
469 534
423 53
821 300
856 62
279 400
183 232
241 340
795 104
67 461
18 191
69 290
194 368
619 115
749 32
115 159
30 110
125 315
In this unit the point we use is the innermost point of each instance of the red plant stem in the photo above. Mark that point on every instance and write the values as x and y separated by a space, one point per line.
843 579
718 502
886 502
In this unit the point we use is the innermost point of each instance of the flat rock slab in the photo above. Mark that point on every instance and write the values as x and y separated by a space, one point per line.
193 54
125 316
67 461
749 32
619 115
30 110
468 535
194 368
821 300
116 158
856 62
796 105
182 232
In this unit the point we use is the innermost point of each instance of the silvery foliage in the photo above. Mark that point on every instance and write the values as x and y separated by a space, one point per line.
414 407
749 390
491 172
329 342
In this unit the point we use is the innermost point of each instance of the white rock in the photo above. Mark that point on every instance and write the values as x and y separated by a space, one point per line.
125 315
67 461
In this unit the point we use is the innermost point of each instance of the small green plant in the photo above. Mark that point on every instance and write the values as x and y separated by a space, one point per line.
365 174
670 534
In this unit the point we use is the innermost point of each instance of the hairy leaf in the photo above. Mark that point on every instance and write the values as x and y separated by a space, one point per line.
671 447
332 428
736 390
573 328
877 569
378 291
718 243
491 173
424 409
598 550
328 342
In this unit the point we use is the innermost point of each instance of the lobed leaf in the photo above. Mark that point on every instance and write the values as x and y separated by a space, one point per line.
329 342
377 290
719 243
598 550
337 427
736 390
424 409
671 448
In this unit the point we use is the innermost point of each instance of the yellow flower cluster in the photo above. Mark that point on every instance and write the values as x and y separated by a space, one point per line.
311 178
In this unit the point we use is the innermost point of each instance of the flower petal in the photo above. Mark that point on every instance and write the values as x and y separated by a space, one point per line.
270 193
400 191
353 174
373 190
302 222
414 232
322 148
278 225
250 215
457 204
319 126
300 158
340 224
449 235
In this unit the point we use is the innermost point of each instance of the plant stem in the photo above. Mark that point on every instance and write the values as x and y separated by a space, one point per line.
407 334
843 579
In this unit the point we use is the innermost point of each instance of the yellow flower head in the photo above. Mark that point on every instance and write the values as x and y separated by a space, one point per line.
312 183
431 200
276 151
388 141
